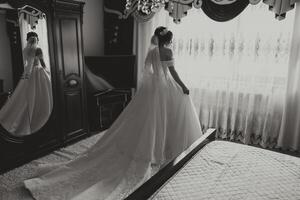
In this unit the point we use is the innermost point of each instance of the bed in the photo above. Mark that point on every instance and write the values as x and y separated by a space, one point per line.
225 170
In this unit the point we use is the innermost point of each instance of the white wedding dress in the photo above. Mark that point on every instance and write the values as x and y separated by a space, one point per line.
30 105
157 125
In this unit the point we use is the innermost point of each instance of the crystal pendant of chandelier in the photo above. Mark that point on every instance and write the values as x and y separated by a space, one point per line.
143 10
146 6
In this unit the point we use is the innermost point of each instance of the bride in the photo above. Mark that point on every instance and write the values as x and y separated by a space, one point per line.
156 126
30 105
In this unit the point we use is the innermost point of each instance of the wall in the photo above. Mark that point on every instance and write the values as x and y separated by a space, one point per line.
93 34
5 55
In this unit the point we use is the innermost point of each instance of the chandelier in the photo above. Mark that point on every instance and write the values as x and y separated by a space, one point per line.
219 10
145 6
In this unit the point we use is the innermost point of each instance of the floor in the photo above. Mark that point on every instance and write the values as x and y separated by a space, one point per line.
11 183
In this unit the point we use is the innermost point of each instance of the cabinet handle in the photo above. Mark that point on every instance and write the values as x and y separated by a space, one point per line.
72 83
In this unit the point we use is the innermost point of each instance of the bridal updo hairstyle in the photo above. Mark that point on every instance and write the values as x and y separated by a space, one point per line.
31 34
38 51
164 36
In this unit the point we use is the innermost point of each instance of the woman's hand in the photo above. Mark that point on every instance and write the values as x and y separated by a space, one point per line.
186 91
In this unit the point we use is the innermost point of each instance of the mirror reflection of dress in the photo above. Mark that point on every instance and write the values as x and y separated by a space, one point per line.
30 105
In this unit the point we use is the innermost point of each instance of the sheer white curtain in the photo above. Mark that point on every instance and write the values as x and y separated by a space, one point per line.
41 30
237 71
289 137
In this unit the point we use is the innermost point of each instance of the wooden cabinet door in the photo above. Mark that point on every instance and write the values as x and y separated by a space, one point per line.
71 74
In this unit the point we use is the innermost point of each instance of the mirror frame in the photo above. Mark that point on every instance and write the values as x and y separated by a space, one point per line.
43 6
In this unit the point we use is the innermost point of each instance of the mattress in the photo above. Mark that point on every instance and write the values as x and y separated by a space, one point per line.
226 170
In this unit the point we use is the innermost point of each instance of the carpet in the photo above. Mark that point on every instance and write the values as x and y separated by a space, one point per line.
11 183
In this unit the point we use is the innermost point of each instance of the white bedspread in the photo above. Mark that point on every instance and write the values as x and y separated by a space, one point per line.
225 170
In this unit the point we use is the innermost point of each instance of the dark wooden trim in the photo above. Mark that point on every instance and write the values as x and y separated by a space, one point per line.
146 190
69 6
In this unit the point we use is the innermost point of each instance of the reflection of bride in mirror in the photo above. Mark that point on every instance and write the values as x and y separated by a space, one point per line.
30 105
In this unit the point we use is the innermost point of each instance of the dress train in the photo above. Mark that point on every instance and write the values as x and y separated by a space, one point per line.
156 126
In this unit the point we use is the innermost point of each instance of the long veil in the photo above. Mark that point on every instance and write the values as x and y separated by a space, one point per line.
28 59
152 61
121 160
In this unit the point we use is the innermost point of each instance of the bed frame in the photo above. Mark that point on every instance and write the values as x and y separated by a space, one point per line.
146 190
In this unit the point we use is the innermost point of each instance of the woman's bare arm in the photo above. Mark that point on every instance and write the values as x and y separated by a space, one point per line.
39 54
178 80
169 56
43 63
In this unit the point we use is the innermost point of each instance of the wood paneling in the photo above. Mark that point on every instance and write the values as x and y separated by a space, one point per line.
73 113
69 39
70 64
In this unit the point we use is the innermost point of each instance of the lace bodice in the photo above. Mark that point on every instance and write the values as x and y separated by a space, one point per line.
31 60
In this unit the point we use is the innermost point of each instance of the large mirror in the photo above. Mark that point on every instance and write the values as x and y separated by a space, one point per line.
26 100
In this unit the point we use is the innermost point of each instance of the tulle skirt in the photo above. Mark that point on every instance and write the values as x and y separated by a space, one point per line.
30 105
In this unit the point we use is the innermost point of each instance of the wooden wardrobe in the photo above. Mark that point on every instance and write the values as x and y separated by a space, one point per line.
68 120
